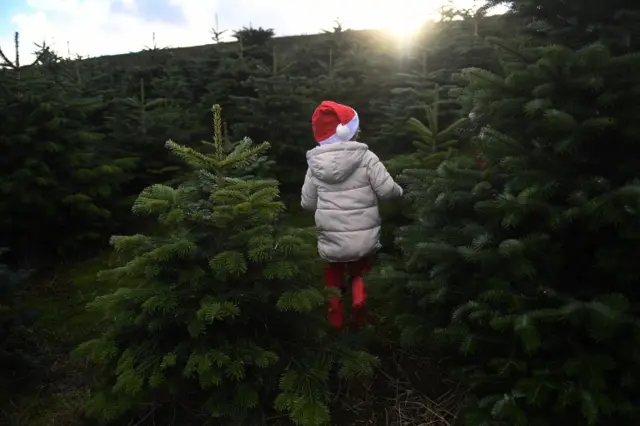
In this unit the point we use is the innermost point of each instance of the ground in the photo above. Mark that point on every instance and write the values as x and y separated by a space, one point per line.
60 298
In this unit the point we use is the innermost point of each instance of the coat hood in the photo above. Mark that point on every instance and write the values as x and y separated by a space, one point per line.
334 163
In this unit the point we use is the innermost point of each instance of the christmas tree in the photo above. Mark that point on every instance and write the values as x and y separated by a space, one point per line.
278 98
135 125
220 311
522 266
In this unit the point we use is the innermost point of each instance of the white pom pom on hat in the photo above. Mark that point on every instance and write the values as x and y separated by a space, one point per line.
343 132
333 122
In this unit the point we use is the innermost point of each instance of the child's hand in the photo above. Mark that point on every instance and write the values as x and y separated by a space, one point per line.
399 190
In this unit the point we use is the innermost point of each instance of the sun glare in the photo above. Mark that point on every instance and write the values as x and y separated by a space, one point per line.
404 25
401 18
404 18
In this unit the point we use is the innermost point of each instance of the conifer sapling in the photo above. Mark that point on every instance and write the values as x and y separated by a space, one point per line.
219 309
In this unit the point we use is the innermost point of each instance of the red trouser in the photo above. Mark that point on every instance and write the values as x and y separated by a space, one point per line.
334 278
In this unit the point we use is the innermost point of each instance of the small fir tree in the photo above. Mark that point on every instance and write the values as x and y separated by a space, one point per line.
220 313
413 93
138 125
336 67
432 142
428 78
229 66
523 266
283 99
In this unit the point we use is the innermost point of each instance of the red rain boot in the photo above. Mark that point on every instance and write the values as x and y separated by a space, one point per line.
358 302
358 293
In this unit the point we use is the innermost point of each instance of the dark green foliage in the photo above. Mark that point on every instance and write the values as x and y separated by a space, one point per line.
19 355
403 103
523 266
252 40
429 75
55 186
422 118
137 125
82 138
110 116
220 310
285 104
433 143
578 22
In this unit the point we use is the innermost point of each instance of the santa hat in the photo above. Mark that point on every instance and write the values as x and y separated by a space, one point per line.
333 122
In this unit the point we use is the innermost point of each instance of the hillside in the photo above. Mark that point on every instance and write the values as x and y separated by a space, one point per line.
495 25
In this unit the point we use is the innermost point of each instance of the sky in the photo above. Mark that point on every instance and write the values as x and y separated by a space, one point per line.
105 27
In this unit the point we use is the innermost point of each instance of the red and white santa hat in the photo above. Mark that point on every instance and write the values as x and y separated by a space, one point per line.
333 122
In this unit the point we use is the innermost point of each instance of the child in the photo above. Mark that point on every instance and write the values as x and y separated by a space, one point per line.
343 184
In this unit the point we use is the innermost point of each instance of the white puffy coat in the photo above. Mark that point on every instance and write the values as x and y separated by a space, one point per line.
342 185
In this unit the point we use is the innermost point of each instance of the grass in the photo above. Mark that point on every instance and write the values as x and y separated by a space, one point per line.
407 390
63 323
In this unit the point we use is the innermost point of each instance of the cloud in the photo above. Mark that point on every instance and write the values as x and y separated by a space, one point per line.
103 27
152 10
99 27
